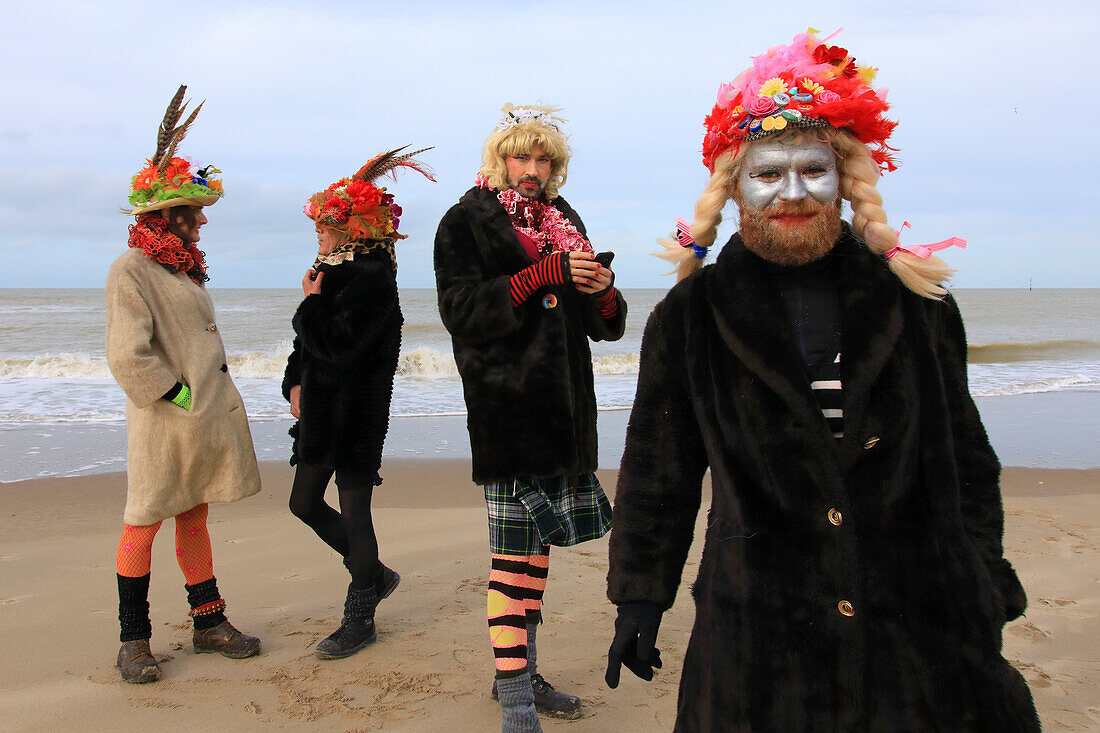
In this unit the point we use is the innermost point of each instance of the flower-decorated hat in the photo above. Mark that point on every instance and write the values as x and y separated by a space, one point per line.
806 84
534 114
360 208
168 181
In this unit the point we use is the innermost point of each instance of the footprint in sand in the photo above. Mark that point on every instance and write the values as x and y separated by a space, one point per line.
13 600
84 568
478 584
1064 607
1029 632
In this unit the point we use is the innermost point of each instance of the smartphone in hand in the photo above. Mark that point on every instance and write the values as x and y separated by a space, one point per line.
604 258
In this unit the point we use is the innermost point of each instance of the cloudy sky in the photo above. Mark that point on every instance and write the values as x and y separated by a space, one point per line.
996 101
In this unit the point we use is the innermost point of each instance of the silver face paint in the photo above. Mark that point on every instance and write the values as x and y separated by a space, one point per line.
775 172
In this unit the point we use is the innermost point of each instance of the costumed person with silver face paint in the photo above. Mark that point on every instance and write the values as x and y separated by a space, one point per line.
521 293
339 381
188 442
853 575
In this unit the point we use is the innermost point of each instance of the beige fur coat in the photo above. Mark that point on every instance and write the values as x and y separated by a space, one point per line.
161 330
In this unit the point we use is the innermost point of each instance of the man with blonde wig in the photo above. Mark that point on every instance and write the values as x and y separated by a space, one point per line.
522 292
853 573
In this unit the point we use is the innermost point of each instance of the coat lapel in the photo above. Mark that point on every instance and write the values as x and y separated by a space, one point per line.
751 322
871 318
499 246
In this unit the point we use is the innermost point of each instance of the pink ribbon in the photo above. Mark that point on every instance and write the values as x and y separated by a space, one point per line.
924 251
683 232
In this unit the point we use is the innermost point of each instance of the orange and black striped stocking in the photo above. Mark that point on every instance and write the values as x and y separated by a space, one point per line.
516 585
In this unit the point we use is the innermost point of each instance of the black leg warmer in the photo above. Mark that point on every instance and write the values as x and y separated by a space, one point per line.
133 608
207 606
360 603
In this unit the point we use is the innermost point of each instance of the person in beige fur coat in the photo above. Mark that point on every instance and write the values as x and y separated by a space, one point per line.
187 432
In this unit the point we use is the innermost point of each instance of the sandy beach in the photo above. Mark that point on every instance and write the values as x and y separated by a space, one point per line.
431 666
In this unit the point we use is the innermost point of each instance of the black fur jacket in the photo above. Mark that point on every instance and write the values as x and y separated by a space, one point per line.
346 345
526 371
883 615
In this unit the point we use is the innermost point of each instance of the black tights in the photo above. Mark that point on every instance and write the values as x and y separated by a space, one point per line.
349 531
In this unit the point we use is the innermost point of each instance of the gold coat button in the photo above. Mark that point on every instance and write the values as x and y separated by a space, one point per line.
846 608
211 327
871 442
835 517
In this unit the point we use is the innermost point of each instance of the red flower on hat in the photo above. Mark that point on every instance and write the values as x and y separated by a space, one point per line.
364 194
336 209
834 55
838 57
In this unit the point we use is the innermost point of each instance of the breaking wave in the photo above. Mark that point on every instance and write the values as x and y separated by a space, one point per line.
1006 353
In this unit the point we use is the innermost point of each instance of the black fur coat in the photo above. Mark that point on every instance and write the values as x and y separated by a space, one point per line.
918 549
526 371
346 345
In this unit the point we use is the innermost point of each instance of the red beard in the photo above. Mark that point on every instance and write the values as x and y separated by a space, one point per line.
793 243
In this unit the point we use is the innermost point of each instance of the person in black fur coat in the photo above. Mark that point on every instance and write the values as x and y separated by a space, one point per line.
339 382
853 575
521 293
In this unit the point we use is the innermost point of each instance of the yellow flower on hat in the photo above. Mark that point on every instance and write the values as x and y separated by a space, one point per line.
866 73
772 86
811 86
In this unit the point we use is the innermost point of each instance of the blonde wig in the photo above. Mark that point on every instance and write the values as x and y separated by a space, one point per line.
516 135
859 174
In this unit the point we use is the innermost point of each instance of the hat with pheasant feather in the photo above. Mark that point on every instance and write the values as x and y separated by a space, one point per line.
360 208
168 180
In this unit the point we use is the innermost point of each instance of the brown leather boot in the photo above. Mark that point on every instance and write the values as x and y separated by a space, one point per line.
137 662
225 640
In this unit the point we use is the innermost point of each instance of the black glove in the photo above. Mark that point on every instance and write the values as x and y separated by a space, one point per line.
634 644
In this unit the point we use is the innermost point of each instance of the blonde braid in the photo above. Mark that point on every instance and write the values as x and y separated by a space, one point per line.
708 215
859 176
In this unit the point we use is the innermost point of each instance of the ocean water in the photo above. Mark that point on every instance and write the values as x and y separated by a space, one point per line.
53 371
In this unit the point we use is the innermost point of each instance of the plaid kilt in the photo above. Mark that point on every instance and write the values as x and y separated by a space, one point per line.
526 515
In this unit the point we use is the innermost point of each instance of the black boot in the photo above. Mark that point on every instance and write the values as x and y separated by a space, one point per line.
135 660
386 579
548 701
357 628
213 632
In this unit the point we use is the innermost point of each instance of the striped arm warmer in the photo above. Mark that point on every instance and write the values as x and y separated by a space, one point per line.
551 270
606 303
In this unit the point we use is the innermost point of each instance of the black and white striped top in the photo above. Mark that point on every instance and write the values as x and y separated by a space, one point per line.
830 397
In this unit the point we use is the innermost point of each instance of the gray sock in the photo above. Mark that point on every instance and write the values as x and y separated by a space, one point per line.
532 653
517 705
